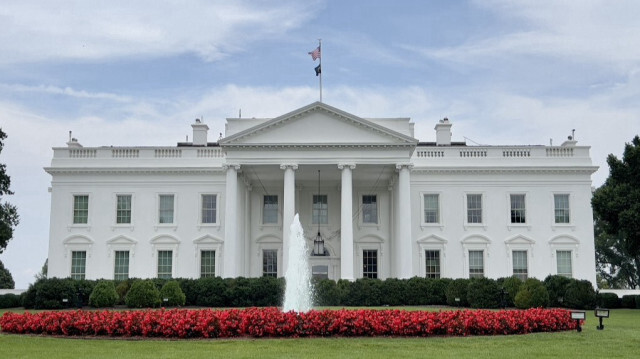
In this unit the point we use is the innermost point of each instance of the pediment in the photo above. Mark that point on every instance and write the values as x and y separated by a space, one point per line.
317 125
564 240
78 239
432 239
164 239
519 239
122 240
476 239
207 239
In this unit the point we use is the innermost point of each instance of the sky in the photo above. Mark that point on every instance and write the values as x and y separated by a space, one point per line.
133 73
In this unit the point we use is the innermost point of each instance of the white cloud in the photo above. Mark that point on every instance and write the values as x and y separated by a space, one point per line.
35 31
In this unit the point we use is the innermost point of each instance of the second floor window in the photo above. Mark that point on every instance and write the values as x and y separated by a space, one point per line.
81 209
209 205
518 209
165 213
431 208
561 205
270 209
123 209
370 209
474 208
320 209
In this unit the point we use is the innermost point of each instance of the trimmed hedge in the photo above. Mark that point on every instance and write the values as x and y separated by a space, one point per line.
631 301
143 294
457 292
532 294
608 300
10 300
483 293
172 295
104 295
580 295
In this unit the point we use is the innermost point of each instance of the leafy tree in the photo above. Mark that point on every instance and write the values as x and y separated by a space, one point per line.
6 280
616 206
44 270
8 212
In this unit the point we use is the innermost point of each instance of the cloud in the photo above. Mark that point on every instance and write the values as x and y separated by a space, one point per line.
36 31
67 91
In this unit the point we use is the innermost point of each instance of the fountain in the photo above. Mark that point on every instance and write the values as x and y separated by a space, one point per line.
298 291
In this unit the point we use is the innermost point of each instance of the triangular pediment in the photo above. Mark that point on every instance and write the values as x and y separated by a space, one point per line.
318 125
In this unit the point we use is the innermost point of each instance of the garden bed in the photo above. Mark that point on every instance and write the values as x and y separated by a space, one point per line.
271 322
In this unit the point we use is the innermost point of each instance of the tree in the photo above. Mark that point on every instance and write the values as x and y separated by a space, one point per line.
6 280
43 271
8 212
616 206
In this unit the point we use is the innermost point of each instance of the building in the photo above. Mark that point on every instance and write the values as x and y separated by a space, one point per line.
382 203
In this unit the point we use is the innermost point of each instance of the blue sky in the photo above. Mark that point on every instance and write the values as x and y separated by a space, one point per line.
138 73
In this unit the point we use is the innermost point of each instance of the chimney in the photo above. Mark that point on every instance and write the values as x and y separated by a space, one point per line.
199 133
73 142
443 132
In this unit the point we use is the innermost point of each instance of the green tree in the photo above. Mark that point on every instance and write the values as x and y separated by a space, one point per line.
43 271
8 212
616 206
6 280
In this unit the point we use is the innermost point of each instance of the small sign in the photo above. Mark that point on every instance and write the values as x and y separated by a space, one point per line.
602 313
578 315
65 300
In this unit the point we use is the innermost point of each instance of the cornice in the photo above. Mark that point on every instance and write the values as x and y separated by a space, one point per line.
324 146
134 170
507 169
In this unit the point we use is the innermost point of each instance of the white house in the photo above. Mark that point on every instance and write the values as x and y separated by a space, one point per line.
383 203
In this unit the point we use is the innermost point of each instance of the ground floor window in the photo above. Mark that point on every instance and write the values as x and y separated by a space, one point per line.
476 264
520 267
320 272
121 265
78 264
564 263
270 263
207 264
165 264
432 263
370 263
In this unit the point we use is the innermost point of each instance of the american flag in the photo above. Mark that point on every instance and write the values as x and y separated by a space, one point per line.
315 54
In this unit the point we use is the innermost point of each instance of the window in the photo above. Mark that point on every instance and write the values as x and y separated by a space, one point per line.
320 272
431 208
270 209
78 264
370 263
520 267
123 209
476 264
564 263
370 209
474 208
165 264
518 209
121 265
81 209
209 205
270 263
320 209
432 262
561 204
165 213
207 264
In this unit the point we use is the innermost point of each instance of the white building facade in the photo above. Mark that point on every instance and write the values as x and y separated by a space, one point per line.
385 205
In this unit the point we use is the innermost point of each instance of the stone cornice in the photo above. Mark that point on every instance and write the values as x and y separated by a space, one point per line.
324 146
508 169
133 170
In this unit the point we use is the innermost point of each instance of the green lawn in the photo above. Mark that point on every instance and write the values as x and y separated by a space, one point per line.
620 339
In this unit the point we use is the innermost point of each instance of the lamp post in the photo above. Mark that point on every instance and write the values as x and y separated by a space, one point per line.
318 242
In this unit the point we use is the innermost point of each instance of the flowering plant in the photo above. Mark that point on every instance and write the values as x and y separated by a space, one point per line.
271 322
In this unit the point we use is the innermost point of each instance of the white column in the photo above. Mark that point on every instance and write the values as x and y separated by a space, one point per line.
403 253
346 223
288 209
246 249
231 255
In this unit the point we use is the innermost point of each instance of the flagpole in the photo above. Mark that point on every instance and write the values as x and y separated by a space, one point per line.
320 47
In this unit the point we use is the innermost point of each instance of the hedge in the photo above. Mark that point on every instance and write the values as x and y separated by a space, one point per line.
10 300
104 295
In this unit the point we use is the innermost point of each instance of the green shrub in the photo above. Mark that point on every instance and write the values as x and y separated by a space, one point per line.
325 292
393 291
483 293
104 295
266 291
364 292
580 295
210 292
143 294
417 292
608 300
83 289
10 300
437 291
556 286
172 295
238 292
457 289
122 289
532 294
511 286
52 293
630 301
188 287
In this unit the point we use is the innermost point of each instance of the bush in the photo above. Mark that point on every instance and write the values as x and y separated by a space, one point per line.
511 286
122 289
188 287
172 295
608 300
10 300
556 286
266 291
364 292
143 294
209 292
393 291
483 293
50 293
630 301
104 295
580 295
83 288
325 292
457 289
238 292
532 294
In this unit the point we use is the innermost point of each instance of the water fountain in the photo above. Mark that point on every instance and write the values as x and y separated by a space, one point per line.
298 292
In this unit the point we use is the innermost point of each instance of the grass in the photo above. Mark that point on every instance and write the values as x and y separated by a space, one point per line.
620 339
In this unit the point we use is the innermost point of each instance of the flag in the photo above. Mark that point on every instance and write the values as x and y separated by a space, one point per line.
318 70
315 54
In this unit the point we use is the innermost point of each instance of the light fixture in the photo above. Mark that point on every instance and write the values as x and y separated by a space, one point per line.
578 316
318 243
601 313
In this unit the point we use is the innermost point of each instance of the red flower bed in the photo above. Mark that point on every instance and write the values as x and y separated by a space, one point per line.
271 322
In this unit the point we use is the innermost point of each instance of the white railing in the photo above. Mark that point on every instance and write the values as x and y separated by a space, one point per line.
168 152
125 152
82 153
480 153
